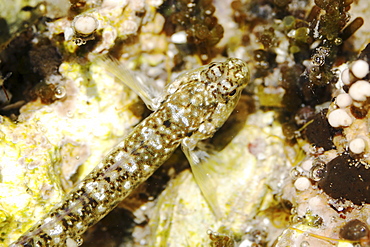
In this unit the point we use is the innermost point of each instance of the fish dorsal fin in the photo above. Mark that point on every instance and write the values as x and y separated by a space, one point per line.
148 92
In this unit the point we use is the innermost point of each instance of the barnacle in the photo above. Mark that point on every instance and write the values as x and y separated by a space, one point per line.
84 27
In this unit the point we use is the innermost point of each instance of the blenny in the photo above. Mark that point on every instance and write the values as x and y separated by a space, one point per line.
191 109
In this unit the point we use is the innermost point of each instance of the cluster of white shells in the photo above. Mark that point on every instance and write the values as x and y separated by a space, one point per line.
355 137
349 115
340 114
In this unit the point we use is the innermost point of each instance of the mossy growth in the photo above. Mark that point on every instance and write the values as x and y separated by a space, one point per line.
315 37
77 7
25 65
267 38
328 20
264 61
195 17
221 238
334 19
312 220
247 12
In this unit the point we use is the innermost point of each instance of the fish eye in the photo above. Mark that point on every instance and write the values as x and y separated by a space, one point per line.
232 92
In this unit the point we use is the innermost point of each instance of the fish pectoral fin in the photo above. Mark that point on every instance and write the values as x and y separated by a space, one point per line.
202 174
150 93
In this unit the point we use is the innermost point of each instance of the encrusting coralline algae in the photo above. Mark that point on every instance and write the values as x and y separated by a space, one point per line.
277 165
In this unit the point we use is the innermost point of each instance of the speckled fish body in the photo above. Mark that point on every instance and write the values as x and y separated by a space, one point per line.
191 109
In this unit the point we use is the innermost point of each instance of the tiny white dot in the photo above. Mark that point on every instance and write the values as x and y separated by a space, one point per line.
302 183
315 202
307 164
119 156
101 208
359 90
70 242
130 168
58 229
79 225
91 186
343 100
360 68
99 195
85 24
357 146
339 118
345 77
127 185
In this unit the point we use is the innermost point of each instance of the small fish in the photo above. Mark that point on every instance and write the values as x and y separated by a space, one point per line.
190 109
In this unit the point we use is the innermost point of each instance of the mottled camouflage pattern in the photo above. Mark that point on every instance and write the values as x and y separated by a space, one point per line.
192 108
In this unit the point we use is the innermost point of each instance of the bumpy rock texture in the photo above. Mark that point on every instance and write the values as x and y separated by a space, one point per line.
300 130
